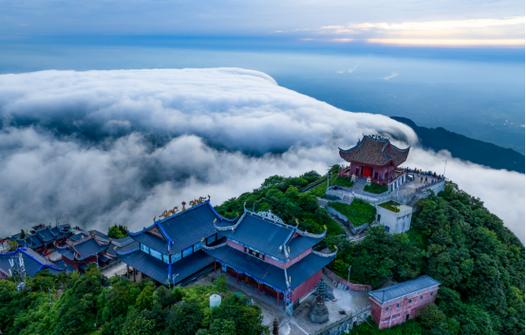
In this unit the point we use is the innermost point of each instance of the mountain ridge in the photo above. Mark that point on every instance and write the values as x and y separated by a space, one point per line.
466 148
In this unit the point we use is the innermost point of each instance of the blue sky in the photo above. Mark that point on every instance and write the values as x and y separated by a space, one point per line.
408 22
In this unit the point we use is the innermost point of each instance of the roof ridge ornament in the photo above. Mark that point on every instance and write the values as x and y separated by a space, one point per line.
322 254
313 235
288 278
270 216
207 247
231 227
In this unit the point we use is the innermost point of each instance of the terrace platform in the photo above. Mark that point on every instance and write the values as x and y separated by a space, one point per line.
347 303
417 185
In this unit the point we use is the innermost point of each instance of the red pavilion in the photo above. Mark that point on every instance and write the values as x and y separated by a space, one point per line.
374 157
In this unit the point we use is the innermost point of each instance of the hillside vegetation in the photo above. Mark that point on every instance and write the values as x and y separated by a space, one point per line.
90 304
453 238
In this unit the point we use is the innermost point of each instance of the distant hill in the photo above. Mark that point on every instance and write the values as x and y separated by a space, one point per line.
466 148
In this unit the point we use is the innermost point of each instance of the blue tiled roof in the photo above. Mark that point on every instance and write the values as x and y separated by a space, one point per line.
45 235
122 241
184 229
151 241
157 270
251 266
267 236
401 289
269 274
77 237
89 248
307 267
261 234
300 243
42 235
33 262
128 248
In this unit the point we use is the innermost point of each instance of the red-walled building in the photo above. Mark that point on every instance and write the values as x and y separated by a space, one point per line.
274 257
86 248
398 303
374 157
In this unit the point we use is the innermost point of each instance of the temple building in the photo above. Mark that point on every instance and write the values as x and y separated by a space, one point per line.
85 248
170 251
398 303
43 238
375 157
25 262
274 257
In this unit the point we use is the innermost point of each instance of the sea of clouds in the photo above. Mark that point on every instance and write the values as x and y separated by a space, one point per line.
97 148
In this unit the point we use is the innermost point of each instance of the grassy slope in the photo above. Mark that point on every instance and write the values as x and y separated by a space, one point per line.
358 212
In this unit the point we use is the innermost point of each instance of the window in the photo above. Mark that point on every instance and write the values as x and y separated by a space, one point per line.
156 254
187 252
145 249
421 297
387 308
198 246
410 300
397 305
166 259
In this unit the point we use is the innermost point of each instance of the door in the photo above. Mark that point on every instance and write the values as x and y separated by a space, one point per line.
367 171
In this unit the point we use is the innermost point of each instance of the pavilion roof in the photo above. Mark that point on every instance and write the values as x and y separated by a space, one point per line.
42 235
269 274
375 150
269 235
181 230
404 288
84 245
158 270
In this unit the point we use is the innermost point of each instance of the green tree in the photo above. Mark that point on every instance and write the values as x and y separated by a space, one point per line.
117 231
136 324
184 318
222 327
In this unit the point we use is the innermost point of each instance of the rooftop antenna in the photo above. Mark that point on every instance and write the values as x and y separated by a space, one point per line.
19 270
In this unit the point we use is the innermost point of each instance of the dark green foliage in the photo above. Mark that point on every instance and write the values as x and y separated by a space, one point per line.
184 318
282 196
457 241
391 205
378 258
246 318
117 231
375 188
340 181
358 212
369 328
90 304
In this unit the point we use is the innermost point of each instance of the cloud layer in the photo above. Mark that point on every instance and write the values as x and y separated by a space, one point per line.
117 147
507 31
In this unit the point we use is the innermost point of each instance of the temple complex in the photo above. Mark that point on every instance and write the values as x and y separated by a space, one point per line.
43 238
375 157
277 258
